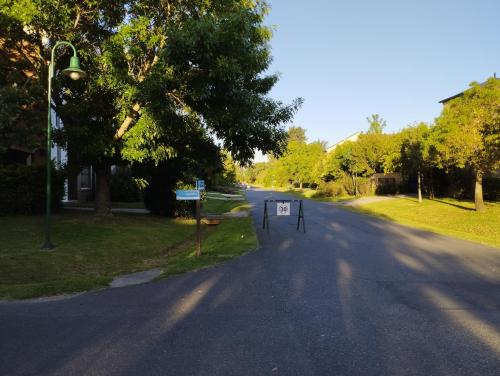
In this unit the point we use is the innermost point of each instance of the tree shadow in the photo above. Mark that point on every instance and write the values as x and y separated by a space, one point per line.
454 205
354 295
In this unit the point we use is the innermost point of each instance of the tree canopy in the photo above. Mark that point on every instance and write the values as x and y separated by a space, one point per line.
297 134
165 79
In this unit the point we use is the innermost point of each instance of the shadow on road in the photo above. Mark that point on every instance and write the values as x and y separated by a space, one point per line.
354 295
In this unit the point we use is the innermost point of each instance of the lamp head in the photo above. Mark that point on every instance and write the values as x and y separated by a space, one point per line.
73 71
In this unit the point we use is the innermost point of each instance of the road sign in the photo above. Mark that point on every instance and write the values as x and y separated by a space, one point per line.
200 185
192 194
283 208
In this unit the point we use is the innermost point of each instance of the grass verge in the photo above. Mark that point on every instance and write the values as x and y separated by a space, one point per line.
211 206
312 194
232 238
444 216
91 251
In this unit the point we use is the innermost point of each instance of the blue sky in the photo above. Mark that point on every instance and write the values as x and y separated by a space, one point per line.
350 59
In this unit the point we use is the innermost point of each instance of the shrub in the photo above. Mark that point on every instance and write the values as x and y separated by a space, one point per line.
388 188
344 185
23 188
123 187
491 188
332 189
159 196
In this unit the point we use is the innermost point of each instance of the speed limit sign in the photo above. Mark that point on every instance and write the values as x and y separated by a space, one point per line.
283 208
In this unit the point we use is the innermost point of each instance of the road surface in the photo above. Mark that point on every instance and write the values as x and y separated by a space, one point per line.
355 295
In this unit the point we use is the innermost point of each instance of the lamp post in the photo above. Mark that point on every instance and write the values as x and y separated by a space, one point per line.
75 73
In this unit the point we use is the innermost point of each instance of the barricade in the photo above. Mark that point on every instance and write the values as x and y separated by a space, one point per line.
283 208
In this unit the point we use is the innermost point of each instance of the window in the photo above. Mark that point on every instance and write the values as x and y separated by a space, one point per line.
86 178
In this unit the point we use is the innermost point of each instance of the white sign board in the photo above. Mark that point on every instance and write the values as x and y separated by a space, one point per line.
283 208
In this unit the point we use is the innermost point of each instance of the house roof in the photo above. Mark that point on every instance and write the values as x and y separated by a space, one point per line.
349 138
462 93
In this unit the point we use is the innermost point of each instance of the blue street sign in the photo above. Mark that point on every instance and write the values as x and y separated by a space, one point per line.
192 194
200 185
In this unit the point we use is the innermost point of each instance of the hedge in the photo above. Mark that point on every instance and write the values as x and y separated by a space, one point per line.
22 189
160 199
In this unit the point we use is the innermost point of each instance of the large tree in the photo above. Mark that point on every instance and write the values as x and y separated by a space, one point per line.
161 75
469 133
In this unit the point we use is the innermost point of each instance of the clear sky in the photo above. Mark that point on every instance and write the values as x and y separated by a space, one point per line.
349 59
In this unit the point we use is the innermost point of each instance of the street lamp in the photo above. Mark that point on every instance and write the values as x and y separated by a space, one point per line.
75 73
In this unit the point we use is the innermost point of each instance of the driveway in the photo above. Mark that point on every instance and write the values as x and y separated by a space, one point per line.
354 295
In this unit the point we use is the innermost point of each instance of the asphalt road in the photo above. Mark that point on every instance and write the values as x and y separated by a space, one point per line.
353 296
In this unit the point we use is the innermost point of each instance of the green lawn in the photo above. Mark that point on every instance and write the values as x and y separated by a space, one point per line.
444 216
91 251
232 238
211 206
114 204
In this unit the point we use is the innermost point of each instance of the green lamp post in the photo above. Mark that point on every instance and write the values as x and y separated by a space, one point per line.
75 73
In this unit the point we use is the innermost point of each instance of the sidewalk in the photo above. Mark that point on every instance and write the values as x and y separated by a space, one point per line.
113 210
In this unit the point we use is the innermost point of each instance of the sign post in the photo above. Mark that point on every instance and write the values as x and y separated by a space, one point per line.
198 229
193 195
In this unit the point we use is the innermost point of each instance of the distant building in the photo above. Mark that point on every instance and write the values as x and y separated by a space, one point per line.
353 138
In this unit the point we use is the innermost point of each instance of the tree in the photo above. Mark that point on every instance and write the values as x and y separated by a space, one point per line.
300 161
376 152
161 74
22 105
227 174
468 131
377 124
413 152
297 134
347 158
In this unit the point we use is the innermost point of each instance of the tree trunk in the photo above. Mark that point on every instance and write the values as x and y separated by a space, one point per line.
478 192
300 185
419 188
102 193
431 184
355 180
